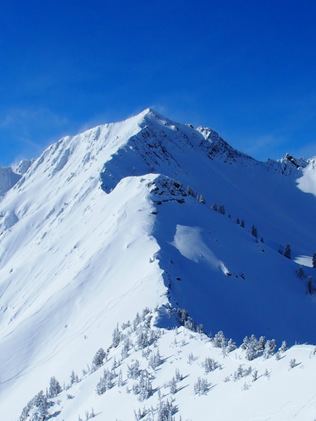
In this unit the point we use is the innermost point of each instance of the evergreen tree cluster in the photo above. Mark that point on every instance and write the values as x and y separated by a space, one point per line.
54 388
219 341
220 209
36 409
143 388
139 378
202 386
198 197
210 365
106 382
242 372
260 347
98 359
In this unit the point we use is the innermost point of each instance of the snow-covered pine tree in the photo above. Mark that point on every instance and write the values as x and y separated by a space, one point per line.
209 365
143 338
231 346
219 340
252 350
262 343
314 260
269 348
133 370
178 375
116 337
201 198
310 288
221 209
201 387
98 359
300 273
105 383
41 404
190 191
54 387
173 386
283 347
189 324
165 410
155 360
73 378
144 387
287 251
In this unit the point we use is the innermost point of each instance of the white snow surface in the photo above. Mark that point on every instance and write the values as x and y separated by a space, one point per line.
101 226
265 388
307 183
190 244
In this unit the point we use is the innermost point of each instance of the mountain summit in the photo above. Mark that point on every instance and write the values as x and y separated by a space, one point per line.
148 212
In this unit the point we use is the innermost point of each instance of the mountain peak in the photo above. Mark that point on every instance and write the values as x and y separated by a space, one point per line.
123 216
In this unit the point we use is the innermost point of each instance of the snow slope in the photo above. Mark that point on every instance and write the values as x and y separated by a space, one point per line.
102 225
273 386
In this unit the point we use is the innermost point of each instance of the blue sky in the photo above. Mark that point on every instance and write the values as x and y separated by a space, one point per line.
244 68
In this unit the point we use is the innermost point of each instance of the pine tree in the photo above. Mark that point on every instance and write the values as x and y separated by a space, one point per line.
190 191
242 224
254 231
54 388
269 348
116 337
201 387
300 273
40 401
201 199
155 360
287 251
133 371
73 378
106 382
219 340
231 346
314 260
98 358
310 288
209 365
165 410
178 375
173 386
221 209
283 347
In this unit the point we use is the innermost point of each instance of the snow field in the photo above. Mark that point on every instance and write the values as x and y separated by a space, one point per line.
279 390
102 224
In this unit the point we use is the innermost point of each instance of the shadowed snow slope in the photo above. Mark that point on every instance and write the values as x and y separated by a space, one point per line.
102 224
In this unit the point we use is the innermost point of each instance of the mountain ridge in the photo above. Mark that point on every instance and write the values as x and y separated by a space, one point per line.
122 215
210 142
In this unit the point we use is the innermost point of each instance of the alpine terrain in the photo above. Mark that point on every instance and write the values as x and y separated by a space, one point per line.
148 270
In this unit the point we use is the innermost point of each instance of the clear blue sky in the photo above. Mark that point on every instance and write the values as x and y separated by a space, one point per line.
244 68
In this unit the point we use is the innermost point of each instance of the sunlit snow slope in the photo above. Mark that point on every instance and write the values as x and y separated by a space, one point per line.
102 225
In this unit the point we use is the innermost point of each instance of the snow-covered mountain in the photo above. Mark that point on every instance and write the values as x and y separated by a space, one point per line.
121 217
